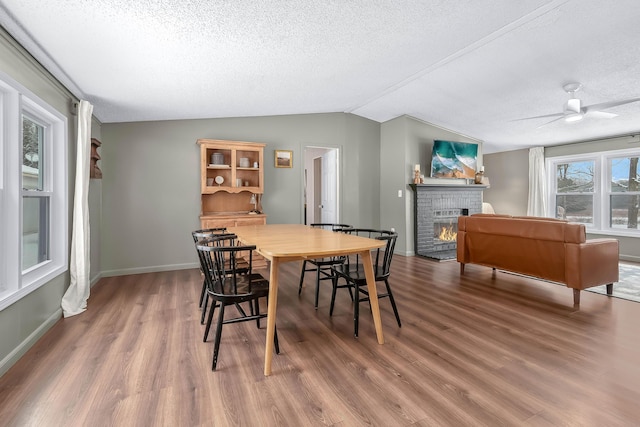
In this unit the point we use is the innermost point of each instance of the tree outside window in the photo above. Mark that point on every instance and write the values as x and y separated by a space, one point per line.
574 188
625 192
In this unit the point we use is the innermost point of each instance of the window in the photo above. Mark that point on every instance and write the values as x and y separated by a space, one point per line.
574 190
600 190
35 197
33 192
623 192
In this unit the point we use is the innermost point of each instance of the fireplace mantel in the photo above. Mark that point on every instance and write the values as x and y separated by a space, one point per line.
430 198
465 187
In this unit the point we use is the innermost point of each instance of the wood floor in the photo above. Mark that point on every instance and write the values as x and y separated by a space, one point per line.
484 349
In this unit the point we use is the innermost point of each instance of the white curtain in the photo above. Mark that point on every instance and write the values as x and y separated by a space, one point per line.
75 299
537 202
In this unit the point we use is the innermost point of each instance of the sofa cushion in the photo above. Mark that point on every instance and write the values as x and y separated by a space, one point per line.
547 229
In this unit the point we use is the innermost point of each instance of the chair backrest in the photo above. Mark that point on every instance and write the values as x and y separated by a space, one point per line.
331 226
380 257
227 266
206 233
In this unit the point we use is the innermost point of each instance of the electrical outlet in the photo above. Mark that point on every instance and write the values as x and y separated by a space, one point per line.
399 193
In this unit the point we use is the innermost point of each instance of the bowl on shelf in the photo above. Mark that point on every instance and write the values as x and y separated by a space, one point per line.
217 159
244 162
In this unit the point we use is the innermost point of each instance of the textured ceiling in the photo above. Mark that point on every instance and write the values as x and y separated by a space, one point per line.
471 66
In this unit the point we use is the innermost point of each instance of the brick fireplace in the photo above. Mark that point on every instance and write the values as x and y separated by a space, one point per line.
436 211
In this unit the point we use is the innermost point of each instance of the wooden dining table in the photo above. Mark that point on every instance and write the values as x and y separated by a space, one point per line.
293 242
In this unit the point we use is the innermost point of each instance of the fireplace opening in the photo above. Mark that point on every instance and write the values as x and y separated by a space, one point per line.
445 232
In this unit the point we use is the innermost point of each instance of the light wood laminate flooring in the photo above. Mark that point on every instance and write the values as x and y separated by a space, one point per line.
483 349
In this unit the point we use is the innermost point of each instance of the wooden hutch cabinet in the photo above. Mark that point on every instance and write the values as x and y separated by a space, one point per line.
230 173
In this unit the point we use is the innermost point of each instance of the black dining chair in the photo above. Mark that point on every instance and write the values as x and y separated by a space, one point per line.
352 271
199 235
322 266
227 268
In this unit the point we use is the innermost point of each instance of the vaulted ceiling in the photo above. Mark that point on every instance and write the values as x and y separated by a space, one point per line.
472 66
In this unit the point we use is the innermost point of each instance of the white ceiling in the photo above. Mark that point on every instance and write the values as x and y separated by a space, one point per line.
471 66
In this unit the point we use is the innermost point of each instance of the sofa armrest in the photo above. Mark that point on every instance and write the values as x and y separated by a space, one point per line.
592 263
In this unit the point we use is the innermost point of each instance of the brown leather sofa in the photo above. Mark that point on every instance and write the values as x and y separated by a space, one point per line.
546 248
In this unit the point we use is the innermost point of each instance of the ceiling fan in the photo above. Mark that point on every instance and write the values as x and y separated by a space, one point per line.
574 111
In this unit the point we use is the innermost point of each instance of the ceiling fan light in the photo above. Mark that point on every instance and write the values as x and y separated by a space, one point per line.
573 117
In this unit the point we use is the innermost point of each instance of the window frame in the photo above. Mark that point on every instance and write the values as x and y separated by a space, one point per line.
602 188
16 100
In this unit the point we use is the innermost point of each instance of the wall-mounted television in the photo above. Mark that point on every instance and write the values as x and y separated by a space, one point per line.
451 159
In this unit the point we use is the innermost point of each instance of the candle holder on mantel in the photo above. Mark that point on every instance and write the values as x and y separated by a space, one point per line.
479 175
416 175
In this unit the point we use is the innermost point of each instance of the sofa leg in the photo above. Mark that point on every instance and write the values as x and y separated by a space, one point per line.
462 268
610 289
576 297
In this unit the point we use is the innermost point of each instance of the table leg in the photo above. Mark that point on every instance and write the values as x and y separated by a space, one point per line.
373 293
271 315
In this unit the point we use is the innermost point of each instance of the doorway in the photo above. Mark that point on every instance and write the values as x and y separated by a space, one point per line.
321 185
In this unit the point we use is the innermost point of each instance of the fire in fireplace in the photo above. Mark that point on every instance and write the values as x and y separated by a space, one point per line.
446 233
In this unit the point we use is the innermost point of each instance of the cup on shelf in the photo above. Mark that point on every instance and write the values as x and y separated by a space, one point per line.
209 182
238 182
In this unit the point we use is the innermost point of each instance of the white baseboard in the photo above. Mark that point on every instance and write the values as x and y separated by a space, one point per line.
25 345
629 258
151 269
95 279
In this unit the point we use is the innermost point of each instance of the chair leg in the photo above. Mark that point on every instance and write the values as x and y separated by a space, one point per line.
204 308
203 292
350 292
317 287
393 303
256 312
209 320
334 282
216 344
304 266
356 309
275 341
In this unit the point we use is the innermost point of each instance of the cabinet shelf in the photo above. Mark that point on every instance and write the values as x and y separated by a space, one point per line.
233 197
94 169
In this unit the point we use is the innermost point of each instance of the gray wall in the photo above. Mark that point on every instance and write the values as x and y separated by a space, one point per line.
23 322
509 176
405 142
151 183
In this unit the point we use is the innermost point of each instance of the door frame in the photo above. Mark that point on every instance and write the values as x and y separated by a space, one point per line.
309 153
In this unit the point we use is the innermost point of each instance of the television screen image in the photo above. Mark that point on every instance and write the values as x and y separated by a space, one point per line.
454 159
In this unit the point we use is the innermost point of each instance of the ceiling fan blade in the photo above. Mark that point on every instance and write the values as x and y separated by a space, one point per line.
560 115
552 121
610 104
601 115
